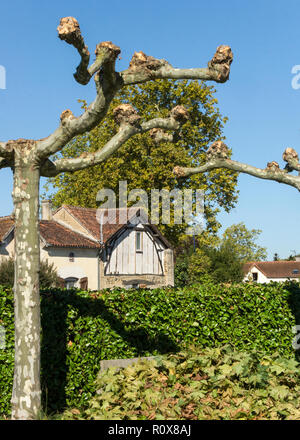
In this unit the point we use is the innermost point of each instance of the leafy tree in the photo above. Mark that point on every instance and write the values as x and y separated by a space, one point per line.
220 259
243 243
226 265
29 159
147 165
219 265
48 274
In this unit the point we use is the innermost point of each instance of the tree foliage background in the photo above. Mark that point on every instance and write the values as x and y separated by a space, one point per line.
208 257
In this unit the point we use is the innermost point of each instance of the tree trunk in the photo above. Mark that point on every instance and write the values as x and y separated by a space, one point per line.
26 396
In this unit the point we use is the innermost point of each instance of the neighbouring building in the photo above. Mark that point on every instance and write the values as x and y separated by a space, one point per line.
266 271
89 252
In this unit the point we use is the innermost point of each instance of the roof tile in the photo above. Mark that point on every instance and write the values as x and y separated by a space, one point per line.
275 269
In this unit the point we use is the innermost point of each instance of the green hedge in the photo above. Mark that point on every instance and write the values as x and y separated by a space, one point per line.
81 328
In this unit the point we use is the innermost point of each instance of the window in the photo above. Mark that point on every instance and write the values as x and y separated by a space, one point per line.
138 241
295 271
254 276
71 257
70 283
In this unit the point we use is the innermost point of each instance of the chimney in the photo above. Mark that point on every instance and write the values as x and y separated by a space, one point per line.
46 210
297 257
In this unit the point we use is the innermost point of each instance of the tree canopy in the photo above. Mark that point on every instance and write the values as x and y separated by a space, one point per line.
219 259
243 242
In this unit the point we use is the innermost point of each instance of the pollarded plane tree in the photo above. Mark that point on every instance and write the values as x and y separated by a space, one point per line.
30 159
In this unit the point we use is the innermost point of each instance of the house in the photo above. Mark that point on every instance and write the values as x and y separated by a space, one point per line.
90 252
266 271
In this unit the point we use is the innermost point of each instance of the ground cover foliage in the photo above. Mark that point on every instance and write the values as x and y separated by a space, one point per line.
199 384
80 328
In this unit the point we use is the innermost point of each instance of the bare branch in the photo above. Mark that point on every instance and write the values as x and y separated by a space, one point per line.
143 68
71 126
69 31
130 125
218 158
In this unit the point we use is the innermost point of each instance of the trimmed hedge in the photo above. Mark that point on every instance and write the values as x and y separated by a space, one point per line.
81 328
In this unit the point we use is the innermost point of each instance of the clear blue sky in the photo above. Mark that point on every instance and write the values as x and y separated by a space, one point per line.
262 106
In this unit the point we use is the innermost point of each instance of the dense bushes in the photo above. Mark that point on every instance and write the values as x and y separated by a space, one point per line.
81 328
48 275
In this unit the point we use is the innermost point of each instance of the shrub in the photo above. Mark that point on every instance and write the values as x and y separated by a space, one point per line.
79 329
48 274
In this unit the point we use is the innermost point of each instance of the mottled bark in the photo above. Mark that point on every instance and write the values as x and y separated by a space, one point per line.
26 397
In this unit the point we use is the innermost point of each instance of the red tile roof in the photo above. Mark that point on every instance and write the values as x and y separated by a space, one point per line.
89 218
56 234
53 233
6 224
275 269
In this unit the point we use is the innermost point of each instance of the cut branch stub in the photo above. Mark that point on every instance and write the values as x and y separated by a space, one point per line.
221 62
69 31
290 155
180 114
140 60
218 150
126 114
272 166
178 171
65 116
159 135
108 49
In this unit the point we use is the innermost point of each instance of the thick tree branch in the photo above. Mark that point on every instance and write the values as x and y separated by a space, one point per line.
69 31
143 68
130 125
6 150
217 156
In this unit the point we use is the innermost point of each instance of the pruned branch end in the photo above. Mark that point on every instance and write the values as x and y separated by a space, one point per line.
221 62
140 60
65 116
69 31
126 114
179 172
218 150
180 114
107 48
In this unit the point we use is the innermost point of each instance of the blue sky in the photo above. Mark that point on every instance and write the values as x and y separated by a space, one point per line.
262 106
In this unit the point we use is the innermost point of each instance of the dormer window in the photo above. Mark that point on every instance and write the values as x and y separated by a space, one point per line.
138 241
71 257
295 271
